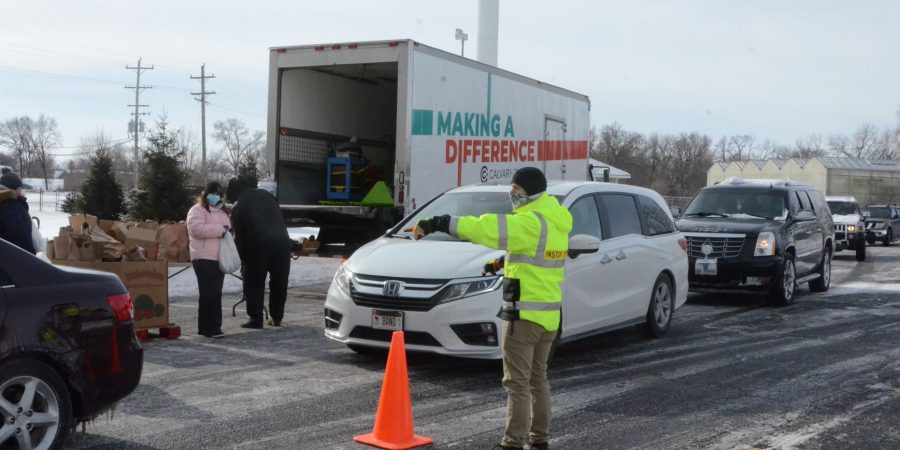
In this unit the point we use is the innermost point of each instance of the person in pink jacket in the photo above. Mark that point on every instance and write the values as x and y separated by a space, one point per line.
207 225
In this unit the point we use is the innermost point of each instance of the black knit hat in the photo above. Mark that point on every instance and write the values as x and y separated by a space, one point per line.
531 179
11 180
213 187
236 187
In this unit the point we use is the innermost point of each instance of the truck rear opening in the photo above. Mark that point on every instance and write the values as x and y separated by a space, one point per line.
335 104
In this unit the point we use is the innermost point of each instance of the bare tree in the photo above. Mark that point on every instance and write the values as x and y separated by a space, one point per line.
99 144
44 136
808 146
238 142
15 134
742 146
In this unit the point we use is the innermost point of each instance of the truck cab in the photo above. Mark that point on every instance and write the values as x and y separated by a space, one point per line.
849 225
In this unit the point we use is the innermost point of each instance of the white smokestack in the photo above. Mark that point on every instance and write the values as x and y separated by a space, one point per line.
488 23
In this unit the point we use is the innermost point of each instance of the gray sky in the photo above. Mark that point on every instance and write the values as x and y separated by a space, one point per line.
774 69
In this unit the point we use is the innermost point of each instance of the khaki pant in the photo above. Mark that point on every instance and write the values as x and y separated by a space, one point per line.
526 346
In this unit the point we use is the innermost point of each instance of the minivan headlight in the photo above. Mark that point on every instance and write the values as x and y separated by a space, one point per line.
342 278
470 287
765 244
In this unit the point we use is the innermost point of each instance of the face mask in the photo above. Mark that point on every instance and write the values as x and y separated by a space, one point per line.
519 200
213 199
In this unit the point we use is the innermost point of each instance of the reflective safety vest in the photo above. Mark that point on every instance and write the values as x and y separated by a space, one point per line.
536 240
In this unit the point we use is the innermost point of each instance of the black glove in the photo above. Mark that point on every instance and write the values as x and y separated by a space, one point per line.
492 267
434 224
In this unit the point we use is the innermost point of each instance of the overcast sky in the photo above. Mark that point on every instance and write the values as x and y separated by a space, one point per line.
773 69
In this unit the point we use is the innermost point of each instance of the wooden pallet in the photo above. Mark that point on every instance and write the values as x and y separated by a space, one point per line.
171 331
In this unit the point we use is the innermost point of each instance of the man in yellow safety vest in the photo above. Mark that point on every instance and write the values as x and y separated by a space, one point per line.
536 239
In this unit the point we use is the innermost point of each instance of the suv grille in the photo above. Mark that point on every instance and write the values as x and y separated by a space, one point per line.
839 227
722 246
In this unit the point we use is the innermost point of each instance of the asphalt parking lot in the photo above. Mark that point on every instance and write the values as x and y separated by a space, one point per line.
732 373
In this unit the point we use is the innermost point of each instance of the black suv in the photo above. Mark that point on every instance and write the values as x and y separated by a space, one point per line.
763 236
882 224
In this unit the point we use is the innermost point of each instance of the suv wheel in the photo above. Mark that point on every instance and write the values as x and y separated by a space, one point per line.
662 306
888 237
822 283
36 408
786 284
861 250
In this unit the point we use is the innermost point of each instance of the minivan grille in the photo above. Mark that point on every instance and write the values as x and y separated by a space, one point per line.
416 295
722 247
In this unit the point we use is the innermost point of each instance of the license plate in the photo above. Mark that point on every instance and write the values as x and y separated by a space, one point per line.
387 320
705 267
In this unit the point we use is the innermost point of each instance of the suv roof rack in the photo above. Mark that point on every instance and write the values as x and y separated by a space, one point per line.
771 182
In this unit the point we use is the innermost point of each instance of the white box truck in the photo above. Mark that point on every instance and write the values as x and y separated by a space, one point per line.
423 120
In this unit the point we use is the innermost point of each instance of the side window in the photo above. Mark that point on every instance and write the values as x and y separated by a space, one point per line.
658 222
586 217
794 201
622 214
809 200
803 200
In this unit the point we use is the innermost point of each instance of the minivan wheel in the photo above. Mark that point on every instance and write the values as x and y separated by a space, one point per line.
36 407
786 284
661 308
888 238
861 250
822 283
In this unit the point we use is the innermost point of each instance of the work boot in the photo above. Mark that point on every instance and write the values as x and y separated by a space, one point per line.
506 447
274 323
252 324
541 446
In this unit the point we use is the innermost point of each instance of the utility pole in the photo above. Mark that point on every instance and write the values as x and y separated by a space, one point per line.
137 114
203 93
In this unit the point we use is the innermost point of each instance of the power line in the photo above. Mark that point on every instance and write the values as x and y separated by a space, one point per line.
137 110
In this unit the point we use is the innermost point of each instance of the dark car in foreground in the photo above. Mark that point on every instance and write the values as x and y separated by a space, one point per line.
67 348
758 236
882 224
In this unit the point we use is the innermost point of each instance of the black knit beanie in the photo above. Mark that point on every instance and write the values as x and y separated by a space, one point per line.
11 180
531 179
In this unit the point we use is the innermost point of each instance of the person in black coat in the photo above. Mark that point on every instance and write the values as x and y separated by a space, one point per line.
15 222
264 245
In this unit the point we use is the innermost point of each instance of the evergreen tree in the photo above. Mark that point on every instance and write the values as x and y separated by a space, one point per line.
102 194
248 170
163 193
72 203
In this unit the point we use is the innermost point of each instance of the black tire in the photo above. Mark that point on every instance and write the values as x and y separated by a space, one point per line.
822 283
366 350
870 240
660 310
861 250
50 389
781 295
888 238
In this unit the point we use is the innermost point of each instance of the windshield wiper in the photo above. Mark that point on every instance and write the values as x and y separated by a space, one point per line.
758 217
402 236
707 214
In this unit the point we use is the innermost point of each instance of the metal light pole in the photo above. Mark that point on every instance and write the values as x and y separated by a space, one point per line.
462 37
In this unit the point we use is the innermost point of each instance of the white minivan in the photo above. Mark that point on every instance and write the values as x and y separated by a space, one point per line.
627 265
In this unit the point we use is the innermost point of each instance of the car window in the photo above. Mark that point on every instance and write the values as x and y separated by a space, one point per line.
586 217
809 200
803 200
622 214
658 222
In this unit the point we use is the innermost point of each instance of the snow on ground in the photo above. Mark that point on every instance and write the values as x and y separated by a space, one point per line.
304 271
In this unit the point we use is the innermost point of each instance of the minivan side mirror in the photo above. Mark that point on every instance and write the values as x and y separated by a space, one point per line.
583 243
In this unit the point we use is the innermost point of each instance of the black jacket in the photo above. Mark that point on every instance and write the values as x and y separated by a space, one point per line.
15 223
258 225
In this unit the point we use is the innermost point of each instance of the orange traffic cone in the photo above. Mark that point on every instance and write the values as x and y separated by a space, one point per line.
393 421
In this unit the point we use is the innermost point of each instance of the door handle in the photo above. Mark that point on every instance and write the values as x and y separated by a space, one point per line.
606 259
621 256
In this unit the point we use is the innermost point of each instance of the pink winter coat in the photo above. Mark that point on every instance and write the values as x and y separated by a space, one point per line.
205 229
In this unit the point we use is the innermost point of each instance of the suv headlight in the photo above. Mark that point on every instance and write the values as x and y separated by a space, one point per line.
851 228
342 278
470 287
880 225
765 244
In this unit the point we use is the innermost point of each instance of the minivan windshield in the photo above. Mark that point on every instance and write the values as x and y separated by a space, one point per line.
738 204
458 204
879 212
843 208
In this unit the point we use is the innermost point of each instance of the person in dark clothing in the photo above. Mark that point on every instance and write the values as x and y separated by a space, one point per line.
264 245
15 222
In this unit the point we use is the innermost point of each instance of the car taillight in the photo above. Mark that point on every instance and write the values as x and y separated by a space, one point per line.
683 243
121 306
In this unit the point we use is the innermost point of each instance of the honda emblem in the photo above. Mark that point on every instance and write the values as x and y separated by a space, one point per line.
393 288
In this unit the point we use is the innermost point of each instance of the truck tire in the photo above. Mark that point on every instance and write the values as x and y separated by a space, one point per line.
822 283
888 237
785 285
861 250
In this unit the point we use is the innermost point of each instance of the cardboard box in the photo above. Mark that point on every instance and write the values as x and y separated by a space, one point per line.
77 222
144 238
147 283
